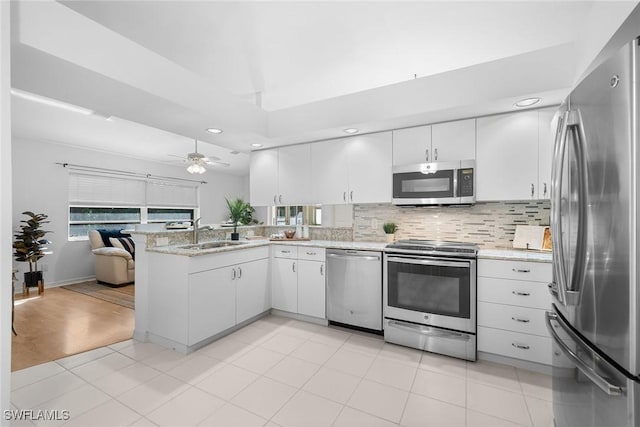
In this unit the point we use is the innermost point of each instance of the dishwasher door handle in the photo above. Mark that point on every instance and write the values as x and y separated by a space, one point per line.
360 257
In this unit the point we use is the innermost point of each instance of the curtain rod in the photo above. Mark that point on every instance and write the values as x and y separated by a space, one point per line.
124 173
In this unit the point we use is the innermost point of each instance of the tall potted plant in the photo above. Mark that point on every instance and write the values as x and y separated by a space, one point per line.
30 246
237 213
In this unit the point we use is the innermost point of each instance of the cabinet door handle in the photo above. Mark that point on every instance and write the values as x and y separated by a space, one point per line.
435 154
280 198
275 199
521 294
426 155
239 272
233 275
293 267
344 196
544 188
351 195
520 346
520 270
517 319
322 269
533 189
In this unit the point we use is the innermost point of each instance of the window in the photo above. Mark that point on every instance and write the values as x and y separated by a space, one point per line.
169 215
294 215
115 202
85 218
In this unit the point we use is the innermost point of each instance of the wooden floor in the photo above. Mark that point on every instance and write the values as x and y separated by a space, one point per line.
59 323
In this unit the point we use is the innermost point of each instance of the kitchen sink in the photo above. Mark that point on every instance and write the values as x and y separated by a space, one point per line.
210 245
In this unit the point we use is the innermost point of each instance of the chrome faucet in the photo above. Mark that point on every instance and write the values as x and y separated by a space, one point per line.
197 229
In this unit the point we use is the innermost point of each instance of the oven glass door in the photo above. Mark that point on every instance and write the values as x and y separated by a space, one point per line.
417 185
434 286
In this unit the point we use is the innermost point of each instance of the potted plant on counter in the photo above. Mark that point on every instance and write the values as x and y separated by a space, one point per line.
30 246
389 229
237 213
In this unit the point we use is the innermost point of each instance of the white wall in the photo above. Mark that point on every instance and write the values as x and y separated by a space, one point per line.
40 186
5 208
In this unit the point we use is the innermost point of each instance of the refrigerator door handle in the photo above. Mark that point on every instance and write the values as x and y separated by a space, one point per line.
559 150
580 264
602 383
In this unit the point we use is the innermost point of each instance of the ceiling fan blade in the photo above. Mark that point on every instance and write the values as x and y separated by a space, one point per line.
218 163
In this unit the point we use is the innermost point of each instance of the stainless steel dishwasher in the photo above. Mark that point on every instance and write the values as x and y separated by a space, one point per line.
354 288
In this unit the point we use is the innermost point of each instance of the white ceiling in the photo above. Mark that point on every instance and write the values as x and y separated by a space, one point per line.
177 67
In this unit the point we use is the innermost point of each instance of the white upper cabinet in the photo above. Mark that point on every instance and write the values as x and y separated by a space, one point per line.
507 158
263 178
442 142
352 170
294 175
281 176
548 123
329 180
411 145
453 141
369 158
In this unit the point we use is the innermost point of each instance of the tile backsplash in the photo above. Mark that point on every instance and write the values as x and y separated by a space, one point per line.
488 224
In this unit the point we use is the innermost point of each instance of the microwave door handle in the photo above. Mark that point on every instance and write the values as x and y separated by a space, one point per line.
428 262
556 201
572 292
602 383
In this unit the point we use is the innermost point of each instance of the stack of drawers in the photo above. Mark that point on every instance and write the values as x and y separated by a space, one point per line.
512 300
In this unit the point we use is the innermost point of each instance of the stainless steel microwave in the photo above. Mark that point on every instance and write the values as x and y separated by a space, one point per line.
439 183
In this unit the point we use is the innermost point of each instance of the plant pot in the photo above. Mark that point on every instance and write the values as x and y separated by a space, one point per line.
390 237
235 236
31 279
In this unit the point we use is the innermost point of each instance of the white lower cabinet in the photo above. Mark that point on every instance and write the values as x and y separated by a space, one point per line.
212 303
298 280
311 289
512 300
284 284
253 294
195 298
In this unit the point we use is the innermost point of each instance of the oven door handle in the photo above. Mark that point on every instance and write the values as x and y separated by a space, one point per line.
429 331
428 262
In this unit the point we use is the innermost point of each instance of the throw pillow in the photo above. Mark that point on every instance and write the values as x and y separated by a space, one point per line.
107 234
125 243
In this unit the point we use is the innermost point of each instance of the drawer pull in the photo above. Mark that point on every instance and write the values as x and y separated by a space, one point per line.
520 346
521 294
520 270
285 252
517 319
311 253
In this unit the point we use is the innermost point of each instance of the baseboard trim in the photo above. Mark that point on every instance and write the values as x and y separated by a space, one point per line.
57 284
516 363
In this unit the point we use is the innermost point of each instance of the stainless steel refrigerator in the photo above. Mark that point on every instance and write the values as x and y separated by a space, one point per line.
594 321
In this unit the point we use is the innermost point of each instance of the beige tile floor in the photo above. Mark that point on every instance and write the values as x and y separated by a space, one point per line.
282 372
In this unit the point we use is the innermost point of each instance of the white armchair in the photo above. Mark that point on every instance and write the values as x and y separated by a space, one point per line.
113 265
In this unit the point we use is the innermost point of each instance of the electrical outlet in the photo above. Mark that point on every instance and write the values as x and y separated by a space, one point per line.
374 223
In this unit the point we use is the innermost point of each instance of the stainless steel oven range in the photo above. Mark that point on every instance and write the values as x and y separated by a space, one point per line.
429 296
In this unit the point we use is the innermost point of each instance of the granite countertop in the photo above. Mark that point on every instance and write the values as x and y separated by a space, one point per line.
515 254
245 244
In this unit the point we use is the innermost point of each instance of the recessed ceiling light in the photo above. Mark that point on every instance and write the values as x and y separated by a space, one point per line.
351 130
214 130
255 144
527 102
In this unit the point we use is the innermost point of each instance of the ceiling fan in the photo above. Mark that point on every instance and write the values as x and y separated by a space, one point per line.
197 161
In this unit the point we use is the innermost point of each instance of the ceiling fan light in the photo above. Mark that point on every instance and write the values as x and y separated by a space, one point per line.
214 130
195 168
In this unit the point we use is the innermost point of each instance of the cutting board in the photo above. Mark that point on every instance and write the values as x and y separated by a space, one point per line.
532 237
